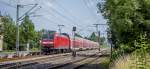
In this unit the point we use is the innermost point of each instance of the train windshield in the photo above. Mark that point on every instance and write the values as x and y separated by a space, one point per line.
49 35
45 36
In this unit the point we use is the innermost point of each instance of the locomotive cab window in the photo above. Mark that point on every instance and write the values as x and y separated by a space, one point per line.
45 36
49 35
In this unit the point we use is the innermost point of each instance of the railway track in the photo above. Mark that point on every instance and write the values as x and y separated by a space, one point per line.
76 64
55 63
60 62
28 62
25 54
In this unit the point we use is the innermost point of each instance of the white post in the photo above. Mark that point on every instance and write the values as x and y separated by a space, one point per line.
1 36
28 45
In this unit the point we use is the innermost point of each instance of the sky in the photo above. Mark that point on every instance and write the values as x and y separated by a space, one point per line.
51 13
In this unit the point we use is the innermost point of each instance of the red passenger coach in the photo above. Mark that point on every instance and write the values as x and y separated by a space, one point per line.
83 44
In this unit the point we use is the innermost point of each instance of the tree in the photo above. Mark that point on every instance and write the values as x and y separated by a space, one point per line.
78 35
38 37
86 38
93 37
9 33
102 40
127 19
27 31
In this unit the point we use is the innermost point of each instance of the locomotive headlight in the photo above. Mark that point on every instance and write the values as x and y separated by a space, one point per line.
47 42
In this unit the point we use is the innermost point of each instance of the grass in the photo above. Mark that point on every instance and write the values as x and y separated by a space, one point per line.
130 62
8 51
34 50
122 63
105 63
13 51
104 46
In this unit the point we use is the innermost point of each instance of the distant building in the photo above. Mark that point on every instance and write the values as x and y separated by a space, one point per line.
1 34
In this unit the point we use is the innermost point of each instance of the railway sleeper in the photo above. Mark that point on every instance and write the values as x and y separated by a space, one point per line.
69 63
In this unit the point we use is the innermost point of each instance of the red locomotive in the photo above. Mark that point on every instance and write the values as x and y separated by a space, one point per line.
53 41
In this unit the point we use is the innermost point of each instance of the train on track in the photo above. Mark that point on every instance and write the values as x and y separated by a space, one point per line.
56 42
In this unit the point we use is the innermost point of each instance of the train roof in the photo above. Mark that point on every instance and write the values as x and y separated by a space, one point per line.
79 38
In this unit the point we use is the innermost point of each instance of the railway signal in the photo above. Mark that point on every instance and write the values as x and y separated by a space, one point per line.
74 52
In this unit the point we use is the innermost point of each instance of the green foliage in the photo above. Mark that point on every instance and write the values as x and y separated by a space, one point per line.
78 35
104 63
105 46
127 20
117 54
36 41
9 33
141 58
86 38
35 50
27 30
8 51
27 34
102 40
95 38
140 45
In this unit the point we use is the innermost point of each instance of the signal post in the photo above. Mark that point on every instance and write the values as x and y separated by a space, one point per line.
73 50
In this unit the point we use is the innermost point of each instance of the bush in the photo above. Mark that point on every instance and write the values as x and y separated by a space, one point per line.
139 59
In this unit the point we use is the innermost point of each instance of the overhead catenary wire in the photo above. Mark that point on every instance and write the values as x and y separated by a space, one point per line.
50 13
2 2
54 16
63 16
86 3
60 14
68 12
49 19
86 28
83 28
15 8
74 17
97 1
57 12
70 15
